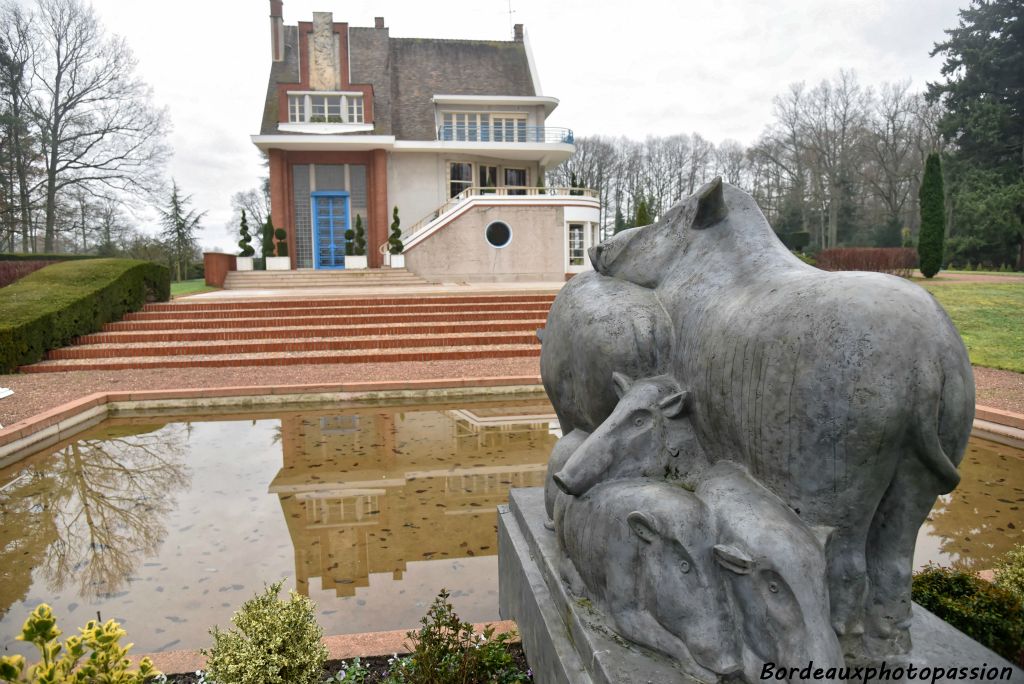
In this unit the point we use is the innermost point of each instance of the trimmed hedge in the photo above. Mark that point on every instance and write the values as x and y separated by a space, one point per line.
24 256
49 308
900 261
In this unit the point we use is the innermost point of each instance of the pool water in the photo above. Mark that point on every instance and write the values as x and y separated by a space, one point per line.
168 523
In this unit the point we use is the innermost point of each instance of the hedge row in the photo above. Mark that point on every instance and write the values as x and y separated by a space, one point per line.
24 256
11 271
899 261
49 308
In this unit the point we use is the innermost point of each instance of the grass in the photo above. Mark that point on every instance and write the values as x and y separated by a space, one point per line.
990 318
187 287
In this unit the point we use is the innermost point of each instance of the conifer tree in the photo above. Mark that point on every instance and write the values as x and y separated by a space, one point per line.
931 241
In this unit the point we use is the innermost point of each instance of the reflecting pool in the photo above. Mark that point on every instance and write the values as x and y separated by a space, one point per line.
167 523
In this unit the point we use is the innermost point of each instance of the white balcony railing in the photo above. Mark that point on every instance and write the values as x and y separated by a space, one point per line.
504 192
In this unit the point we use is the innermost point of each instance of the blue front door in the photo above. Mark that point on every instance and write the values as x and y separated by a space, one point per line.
330 221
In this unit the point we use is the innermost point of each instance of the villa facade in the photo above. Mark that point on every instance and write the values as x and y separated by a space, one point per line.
451 132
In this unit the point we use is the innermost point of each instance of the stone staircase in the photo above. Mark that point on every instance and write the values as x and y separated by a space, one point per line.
358 329
272 280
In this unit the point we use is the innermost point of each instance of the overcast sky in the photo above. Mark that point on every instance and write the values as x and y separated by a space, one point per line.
645 67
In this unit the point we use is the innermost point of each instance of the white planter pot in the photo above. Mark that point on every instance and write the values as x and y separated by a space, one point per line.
279 263
355 262
397 260
243 263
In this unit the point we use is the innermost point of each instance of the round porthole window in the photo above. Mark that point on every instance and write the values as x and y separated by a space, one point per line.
498 234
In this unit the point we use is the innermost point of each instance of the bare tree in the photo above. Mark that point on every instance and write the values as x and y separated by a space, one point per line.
96 123
17 53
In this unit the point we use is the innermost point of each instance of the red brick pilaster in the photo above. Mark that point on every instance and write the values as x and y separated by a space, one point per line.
379 218
279 195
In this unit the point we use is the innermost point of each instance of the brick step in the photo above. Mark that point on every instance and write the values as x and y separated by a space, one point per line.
276 332
107 351
297 322
424 308
354 300
422 354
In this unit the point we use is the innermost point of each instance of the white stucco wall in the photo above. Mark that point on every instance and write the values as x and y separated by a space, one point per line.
418 181
460 252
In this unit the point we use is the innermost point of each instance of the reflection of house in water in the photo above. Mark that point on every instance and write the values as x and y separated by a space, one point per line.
370 491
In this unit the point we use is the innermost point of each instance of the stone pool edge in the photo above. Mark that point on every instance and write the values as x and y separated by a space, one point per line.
339 647
28 436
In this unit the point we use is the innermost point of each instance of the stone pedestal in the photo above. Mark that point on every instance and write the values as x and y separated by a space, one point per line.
568 642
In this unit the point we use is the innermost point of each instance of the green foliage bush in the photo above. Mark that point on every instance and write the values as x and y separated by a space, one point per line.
19 256
395 245
282 242
983 611
360 235
1009 572
274 642
932 237
243 244
267 240
446 650
49 308
95 655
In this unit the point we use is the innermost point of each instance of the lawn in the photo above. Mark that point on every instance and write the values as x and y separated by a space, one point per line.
990 318
186 287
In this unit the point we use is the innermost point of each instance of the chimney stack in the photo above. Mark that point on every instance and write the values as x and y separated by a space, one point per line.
277 30
378 22
517 33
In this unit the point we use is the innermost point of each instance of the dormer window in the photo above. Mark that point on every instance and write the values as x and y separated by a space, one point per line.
325 107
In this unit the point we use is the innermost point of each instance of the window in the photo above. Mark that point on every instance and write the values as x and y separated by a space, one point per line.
325 108
460 177
296 108
488 178
498 234
516 179
482 127
576 251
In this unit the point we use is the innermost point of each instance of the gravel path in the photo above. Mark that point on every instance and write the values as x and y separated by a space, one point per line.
35 393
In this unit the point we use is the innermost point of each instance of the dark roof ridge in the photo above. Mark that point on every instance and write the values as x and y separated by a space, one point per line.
479 41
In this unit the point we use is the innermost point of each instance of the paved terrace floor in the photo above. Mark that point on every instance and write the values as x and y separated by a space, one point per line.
389 291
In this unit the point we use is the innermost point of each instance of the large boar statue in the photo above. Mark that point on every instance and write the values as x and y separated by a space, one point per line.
849 395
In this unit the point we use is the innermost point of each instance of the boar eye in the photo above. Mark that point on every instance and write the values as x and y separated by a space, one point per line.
685 567
638 421
773 587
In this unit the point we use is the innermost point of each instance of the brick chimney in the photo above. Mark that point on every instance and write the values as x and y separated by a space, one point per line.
378 22
517 33
277 30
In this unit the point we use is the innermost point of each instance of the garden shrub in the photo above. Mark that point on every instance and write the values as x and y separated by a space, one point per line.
274 642
446 650
282 242
983 611
244 244
932 200
900 261
27 256
1009 572
360 236
95 655
395 245
49 308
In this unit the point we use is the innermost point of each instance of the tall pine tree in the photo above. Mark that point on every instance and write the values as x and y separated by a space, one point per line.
931 242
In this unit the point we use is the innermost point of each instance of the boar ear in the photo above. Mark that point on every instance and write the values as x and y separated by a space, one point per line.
732 559
622 383
823 533
677 404
710 204
642 525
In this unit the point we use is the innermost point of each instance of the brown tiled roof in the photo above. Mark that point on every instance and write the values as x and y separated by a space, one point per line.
407 72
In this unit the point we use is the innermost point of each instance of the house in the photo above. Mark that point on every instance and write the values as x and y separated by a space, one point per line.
451 132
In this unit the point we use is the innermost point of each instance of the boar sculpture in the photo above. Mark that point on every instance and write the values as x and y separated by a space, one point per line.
848 395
